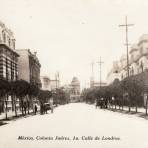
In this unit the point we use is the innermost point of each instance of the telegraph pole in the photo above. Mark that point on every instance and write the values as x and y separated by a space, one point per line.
100 66
92 75
92 68
126 25
57 79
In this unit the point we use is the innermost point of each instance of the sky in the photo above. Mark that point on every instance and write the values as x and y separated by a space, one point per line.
69 35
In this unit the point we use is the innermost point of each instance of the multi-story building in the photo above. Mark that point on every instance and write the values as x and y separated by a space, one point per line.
8 61
45 83
8 54
75 90
48 84
29 67
138 61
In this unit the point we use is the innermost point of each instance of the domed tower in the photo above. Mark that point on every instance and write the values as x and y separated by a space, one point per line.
75 90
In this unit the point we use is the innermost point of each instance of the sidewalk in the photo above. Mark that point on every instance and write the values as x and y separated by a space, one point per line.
140 111
11 116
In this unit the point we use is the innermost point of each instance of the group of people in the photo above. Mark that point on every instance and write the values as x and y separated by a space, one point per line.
44 107
102 102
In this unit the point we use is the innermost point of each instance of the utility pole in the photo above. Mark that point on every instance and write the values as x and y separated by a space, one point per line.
92 75
57 79
92 68
100 66
126 25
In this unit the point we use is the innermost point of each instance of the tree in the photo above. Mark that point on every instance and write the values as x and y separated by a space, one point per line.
4 90
60 96
33 91
13 95
134 87
89 95
44 96
21 91
116 92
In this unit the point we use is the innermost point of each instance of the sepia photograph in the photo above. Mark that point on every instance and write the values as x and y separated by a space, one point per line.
73 74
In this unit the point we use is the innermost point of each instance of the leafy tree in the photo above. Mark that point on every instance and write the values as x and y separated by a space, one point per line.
134 88
116 92
89 95
60 96
33 91
44 96
4 90
21 91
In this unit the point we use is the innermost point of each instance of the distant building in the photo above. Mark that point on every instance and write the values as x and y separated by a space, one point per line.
45 81
29 67
75 90
48 84
114 73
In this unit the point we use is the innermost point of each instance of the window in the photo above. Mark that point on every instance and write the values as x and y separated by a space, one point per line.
9 42
13 41
4 37
141 65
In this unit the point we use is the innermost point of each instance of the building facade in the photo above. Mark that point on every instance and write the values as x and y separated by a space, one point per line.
8 61
45 81
8 54
138 61
49 84
75 90
29 67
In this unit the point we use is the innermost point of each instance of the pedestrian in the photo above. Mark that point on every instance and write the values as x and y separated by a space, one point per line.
51 104
25 107
35 109
41 108
97 103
